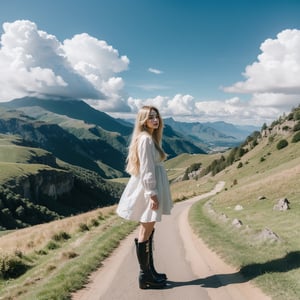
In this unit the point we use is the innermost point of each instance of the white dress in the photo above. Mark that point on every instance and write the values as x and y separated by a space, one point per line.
134 203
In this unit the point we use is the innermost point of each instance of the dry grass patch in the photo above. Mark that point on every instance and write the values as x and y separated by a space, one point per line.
38 236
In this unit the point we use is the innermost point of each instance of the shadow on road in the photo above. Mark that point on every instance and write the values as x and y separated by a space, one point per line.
284 264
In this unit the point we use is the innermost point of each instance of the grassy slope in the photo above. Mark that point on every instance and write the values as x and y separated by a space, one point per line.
14 159
176 167
273 265
60 266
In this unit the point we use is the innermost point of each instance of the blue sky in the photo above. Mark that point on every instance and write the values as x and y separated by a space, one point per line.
234 60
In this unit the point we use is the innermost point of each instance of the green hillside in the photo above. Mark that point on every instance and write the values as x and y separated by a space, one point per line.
264 246
241 223
23 202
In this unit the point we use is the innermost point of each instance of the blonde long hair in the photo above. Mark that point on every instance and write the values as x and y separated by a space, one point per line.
133 163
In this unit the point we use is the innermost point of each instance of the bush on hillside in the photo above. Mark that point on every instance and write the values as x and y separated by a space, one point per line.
296 137
192 168
296 127
282 144
297 114
11 266
18 212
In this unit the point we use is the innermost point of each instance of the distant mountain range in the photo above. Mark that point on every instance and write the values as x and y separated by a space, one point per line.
92 126
56 156
78 134
212 136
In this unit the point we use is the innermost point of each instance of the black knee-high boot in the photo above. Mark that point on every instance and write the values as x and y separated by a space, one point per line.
146 278
160 276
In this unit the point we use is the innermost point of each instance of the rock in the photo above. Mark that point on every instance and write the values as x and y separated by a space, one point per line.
282 204
223 217
268 234
261 198
237 223
238 207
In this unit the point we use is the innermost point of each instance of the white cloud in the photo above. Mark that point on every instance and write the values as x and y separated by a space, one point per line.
153 87
272 83
274 78
33 62
186 108
155 71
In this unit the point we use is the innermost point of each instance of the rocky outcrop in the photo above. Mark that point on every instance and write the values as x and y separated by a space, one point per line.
46 183
282 129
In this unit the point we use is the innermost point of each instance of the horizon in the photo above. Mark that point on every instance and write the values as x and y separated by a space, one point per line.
195 61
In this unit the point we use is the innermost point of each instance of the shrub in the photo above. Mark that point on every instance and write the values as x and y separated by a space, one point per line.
83 227
69 254
297 114
11 266
52 245
296 127
296 137
61 236
240 165
282 144
41 252
94 222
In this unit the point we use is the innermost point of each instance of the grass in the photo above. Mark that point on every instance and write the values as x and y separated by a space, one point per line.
58 267
55 272
14 159
176 166
274 265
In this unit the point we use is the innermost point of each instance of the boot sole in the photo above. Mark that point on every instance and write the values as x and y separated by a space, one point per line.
149 285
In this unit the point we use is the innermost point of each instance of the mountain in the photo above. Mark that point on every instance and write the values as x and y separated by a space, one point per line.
239 132
81 135
213 135
56 157
90 153
74 109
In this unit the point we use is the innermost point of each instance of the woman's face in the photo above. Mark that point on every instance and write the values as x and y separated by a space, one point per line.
153 120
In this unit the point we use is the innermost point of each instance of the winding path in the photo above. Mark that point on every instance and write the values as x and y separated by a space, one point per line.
194 271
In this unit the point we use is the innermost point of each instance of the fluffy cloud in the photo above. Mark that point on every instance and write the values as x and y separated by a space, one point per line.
272 83
33 62
186 108
273 79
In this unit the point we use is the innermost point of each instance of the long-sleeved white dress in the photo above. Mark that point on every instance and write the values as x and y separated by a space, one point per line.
152 179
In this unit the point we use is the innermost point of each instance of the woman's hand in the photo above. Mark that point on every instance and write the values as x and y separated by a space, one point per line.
154 202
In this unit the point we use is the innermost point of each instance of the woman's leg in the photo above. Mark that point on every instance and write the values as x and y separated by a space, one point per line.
145 231
146 277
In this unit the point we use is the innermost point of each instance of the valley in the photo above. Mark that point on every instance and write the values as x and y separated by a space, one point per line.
38 255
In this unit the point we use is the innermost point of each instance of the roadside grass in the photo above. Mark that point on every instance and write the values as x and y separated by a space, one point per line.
183 190
273 264
62 254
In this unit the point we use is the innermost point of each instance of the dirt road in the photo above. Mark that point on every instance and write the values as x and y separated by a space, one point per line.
194 271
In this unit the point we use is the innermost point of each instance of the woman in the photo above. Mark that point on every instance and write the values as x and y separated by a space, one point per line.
147 195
